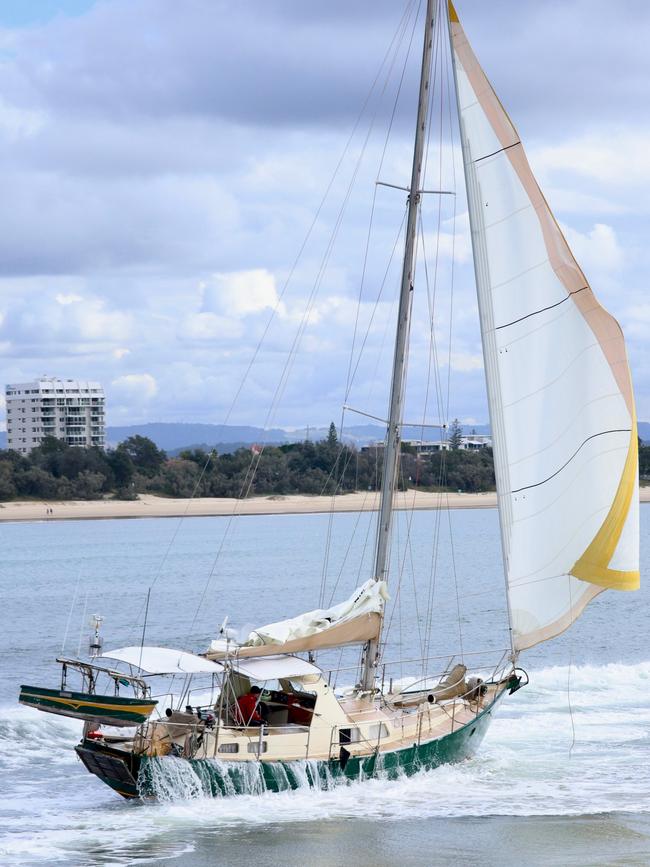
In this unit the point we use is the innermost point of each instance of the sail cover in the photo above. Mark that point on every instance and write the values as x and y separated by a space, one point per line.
559 388
356 620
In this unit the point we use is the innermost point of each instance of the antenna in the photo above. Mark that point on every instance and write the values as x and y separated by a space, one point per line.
96 640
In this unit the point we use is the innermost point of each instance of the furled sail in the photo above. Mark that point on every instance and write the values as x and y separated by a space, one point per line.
353 621
559 387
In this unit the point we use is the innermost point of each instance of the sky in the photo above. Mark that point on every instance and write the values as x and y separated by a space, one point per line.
163 164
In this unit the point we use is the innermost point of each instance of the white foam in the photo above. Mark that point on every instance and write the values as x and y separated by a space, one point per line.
524 768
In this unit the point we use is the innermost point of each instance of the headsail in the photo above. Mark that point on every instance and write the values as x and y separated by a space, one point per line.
559 387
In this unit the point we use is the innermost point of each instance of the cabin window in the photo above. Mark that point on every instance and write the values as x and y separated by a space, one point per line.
228 748
255 748
349 736
378 730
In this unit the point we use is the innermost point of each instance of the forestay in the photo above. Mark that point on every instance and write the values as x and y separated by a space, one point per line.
559 388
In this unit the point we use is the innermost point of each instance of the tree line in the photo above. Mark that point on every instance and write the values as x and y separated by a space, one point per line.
56 471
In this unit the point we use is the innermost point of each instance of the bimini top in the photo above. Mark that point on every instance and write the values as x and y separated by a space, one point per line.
270 667
164 660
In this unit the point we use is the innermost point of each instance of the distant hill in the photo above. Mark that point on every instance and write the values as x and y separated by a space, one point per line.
644 430
171 436
174 437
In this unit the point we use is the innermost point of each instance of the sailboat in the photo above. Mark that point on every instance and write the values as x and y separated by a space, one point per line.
260 714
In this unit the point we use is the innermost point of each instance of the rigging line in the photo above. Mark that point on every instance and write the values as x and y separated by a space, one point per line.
74 601
252 470
408 552
431 361
374 196
254 464
337 486
402 566
172 540
433 355
350 379
541 310
410 513
568 679
144 628
83 621
349 546
378 300
431 96
351 374
566 464
451 317
314 221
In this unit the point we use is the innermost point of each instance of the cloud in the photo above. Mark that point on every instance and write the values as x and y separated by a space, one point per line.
597 250
240 293
209 326
70 298
135 386
63 321
157 189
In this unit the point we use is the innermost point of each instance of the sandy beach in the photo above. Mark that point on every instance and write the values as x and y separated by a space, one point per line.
149 506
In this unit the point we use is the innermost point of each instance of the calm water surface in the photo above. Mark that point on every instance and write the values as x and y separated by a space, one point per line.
548 786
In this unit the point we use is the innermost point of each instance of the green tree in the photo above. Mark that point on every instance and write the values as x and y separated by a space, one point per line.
332 438
145 454
121 467
7 486
455 435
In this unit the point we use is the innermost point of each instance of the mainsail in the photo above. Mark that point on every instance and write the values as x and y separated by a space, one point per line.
559 387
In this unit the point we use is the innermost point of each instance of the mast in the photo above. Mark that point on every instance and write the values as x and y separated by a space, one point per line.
486 321
396 407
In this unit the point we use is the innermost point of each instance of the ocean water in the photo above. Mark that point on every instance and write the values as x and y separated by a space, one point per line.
562 777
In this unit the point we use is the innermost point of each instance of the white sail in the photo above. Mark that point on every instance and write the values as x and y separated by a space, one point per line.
559 388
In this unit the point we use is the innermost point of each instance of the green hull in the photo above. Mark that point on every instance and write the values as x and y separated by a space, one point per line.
103 709
182 778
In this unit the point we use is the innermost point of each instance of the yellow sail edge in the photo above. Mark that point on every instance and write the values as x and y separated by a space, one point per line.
593 566
453 15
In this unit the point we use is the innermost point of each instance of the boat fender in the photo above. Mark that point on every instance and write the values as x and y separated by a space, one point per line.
94 736
344 755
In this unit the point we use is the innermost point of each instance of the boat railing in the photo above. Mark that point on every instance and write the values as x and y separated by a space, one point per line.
445 664
447 659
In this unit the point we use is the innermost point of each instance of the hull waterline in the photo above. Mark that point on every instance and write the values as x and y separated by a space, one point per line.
151 777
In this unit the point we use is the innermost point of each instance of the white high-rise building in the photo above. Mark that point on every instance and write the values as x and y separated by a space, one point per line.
68 409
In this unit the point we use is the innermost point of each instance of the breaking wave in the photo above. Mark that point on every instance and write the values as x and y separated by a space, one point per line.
530 764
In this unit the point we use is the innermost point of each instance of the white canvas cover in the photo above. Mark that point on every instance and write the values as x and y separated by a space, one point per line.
366 599
163 660
559 388
356 620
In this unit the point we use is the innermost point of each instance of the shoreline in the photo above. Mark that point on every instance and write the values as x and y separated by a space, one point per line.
150 506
